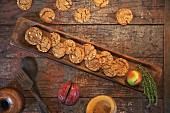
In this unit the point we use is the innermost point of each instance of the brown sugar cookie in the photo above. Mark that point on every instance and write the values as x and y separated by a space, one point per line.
119 67
124 16
77 56
24 4
44 45
59 50
33 35
70 46
112 70
106 58
82 15
123 66
89 51
47 15
94 64
55 39
101 3
63 5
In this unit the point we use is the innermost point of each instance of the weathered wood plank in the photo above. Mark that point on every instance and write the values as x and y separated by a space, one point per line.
145 11
52 74
167 59
136 41
124 105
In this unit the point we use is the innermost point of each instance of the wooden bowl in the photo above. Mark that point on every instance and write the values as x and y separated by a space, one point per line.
101 104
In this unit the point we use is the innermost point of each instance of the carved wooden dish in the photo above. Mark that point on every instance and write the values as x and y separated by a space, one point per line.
18 40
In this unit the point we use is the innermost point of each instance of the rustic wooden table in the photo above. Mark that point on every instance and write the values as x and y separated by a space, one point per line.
143 38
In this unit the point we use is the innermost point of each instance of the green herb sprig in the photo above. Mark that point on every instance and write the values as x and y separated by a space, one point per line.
149 85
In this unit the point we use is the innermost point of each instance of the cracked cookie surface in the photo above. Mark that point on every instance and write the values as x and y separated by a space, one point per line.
119 67
93 64
106 58
123 66
63 5
24 4
55 39
33 35
59 50
101 3
89 51
82 15
124 16
47 15
70 46
45 44
77 56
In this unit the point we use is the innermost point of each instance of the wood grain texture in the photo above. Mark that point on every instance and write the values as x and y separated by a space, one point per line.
18 40
136 40
167 58
51 75
144 11
143 38
124 105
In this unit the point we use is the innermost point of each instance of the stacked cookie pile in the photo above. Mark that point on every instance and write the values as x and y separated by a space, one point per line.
93 60
81 15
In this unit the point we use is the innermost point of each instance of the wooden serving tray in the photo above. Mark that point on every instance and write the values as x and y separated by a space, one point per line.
18 40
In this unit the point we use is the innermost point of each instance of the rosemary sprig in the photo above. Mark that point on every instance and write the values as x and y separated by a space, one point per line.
149 85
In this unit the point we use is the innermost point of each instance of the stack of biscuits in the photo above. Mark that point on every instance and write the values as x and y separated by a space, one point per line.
93 61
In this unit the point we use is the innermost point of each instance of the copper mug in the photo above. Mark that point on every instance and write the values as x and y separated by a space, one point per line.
11 101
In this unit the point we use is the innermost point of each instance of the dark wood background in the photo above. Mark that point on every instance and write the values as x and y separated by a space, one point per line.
143 38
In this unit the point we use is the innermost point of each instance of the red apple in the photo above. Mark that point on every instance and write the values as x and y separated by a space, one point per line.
134 77
68 94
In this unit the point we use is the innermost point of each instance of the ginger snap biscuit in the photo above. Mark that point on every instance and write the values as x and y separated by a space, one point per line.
24 4
82 15
45 44
123 66
89 51
106 58
70 46
47 15
63 5
93 64
55 39
59 50
124 16
101 3
77 56
33 35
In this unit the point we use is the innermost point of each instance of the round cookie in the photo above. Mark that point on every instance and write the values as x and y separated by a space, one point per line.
123 66
82 15
106 58
55 39
59 50
33 35
119 67
47 15
24 4
77 56
44 45
89 51
94 64
124 16
70 46
101 3
111 71
63 5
